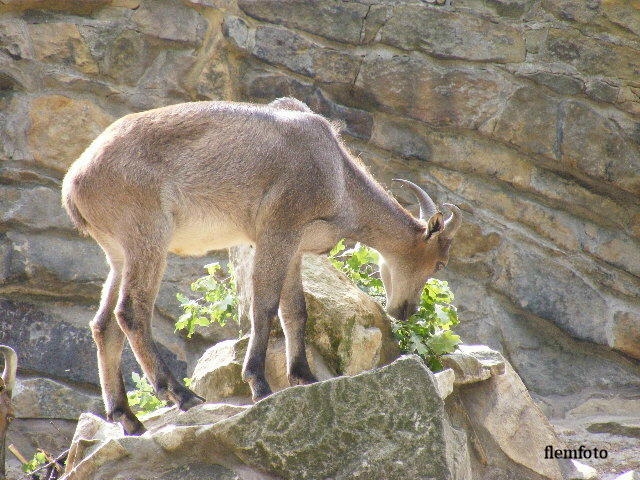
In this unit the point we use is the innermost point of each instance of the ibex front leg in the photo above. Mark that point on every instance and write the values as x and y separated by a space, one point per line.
270 264
293 316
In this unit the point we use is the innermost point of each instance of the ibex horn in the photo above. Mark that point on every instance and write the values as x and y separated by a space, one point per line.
10 368
427 207
452 224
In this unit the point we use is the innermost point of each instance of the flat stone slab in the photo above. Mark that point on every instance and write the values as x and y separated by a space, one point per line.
474 363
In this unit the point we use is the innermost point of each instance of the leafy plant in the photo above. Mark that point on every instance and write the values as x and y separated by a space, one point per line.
428 331
218 303
360 264
39 459
143 398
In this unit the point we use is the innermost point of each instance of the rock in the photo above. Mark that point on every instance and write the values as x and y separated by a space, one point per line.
58 264
527 277
558 82
61 43
218 374
574 470
125 57
45 398
170 21
283 47
509 425
591 56
607 155
537 131
630 475
459 96
474 363
338 21
388 423
626 333
201 415
48 343
437 32
38 208
371 425
349 328
62 127
29 434
624 429
444 382
357 123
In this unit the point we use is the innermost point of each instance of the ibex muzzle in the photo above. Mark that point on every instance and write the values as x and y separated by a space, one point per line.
196 177
7 384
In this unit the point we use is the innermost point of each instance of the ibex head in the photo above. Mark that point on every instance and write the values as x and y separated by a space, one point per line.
404 275
7 384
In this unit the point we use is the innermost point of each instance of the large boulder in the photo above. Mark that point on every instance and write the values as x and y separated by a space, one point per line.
387 423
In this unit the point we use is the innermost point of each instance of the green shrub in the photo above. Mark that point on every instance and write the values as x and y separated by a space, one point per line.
218 303
426 333
39 459
143 398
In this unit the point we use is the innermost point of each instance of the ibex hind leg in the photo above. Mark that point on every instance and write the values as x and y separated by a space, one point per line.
109 340
142 273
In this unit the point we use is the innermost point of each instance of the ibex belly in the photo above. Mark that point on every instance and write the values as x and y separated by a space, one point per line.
199 237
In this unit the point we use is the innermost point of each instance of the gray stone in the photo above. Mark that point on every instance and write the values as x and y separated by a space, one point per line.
280 46
550 290
171 21
596 146
384 78
38 208
335 20
357 123
45 398
535 132
47 345
217 375
558 82
474 363
371 425
438 32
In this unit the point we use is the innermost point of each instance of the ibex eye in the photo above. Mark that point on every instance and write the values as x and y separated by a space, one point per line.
439 266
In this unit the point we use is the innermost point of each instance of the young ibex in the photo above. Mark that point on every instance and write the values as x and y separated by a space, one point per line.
7 384
196 177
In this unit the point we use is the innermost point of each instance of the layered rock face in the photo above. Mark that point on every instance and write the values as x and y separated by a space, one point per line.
525 113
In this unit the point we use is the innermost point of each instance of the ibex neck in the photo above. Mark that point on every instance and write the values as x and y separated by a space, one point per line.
381 222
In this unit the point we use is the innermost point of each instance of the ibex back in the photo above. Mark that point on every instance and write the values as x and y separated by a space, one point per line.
195 177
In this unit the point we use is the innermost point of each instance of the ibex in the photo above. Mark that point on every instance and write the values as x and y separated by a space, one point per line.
7 384
201 176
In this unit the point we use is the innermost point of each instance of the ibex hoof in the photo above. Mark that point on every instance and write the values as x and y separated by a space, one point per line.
191 402
260 390
301 375
128 420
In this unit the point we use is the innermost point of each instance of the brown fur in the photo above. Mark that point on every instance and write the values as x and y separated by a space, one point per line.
195 177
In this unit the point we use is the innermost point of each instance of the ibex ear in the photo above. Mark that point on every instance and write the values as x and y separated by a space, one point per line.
434 225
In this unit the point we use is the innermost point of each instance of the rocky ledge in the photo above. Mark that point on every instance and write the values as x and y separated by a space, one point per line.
394 422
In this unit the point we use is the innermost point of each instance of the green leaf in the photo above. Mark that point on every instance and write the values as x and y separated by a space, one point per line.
443 342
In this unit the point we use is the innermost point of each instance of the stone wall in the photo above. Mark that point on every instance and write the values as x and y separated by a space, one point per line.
526 113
